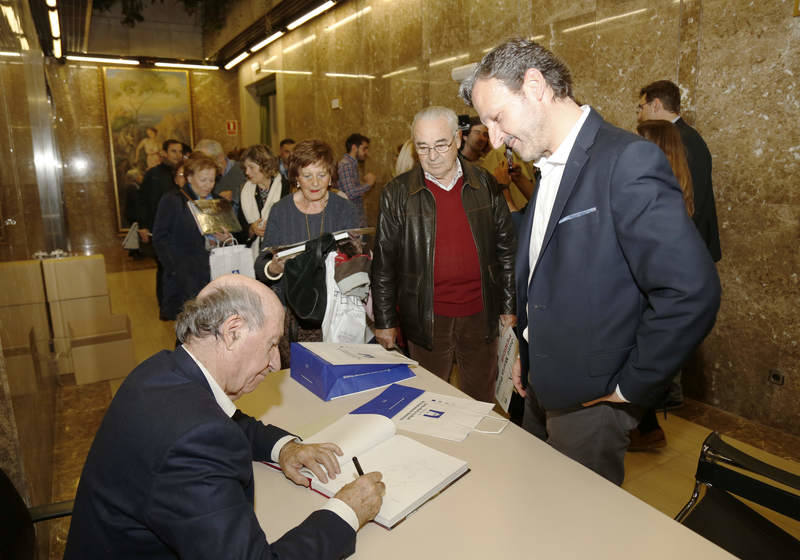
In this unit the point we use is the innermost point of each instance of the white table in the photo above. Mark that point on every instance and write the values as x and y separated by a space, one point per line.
522 499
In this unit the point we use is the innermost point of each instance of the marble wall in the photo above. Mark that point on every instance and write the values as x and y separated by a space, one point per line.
19 196
737 65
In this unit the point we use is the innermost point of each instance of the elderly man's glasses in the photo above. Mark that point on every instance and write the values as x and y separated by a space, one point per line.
441 148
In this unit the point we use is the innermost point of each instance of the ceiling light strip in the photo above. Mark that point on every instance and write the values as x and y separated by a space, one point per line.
274 37
55 28
236 60
185 65
310 15
9 53
127 61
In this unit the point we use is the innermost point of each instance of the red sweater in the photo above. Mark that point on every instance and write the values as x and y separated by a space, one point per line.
456 269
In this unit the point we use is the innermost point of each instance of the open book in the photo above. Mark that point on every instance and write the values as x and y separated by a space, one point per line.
413 472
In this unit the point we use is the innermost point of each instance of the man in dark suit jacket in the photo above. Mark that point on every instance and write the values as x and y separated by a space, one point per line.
157 182
170 472
661 100
614 285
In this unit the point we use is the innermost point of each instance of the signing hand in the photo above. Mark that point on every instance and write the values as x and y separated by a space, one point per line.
387 337
364 495
313 456
369 179
611 397
145 235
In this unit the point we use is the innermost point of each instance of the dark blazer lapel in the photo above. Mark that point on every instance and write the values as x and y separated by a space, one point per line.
575 161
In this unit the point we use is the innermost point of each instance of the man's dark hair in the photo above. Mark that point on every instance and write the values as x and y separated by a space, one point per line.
167 143
473 121
286 141
356 140
665 91
509 62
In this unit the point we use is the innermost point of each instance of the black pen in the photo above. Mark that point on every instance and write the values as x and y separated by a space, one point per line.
359 470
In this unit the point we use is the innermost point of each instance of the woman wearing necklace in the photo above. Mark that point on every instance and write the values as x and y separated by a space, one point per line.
262 190
308 213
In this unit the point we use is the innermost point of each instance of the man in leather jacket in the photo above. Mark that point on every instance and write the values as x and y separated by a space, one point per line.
443 267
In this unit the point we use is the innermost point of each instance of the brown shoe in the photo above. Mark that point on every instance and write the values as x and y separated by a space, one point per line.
654 439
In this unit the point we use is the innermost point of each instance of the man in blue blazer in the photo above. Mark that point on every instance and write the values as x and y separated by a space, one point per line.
614 285
170 472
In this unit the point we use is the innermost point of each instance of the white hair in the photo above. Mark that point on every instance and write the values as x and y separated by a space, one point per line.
436 112
204 315
211 148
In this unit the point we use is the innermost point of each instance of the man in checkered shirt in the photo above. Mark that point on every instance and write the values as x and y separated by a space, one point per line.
350 184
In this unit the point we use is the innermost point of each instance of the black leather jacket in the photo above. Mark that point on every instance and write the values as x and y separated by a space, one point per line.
402 266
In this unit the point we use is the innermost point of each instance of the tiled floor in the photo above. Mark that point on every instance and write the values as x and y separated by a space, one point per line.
662 478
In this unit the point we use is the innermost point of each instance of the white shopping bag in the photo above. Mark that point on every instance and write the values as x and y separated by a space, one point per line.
345 319
131 240
231 259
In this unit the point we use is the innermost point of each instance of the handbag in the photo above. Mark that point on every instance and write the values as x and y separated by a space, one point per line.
305 281
231 259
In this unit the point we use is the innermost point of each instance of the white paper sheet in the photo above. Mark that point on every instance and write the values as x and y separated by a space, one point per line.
443 416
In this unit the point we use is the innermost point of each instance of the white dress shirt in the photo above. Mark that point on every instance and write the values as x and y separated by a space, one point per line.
552 169
335 505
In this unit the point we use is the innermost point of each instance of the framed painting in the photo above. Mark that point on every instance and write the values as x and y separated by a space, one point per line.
144 107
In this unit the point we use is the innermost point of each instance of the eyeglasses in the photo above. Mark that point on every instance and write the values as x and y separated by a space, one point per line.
441 148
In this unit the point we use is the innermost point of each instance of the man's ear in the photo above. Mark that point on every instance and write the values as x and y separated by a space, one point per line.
231 331
533 84
658 107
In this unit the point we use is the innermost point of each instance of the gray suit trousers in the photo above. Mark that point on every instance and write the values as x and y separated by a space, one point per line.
595 436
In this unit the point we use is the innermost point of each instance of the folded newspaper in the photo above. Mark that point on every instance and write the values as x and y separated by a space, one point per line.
214 216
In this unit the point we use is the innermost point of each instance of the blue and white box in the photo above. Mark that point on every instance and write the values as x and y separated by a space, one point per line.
331 370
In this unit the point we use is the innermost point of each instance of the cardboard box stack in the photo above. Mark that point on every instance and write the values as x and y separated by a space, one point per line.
102 348
80 312
24 328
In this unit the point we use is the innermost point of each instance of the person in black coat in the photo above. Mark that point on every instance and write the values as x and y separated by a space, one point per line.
661 100
181 248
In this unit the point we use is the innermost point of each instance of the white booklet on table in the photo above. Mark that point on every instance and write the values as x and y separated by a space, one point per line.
413 472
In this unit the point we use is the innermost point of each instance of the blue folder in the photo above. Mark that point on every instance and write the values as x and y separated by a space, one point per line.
329 381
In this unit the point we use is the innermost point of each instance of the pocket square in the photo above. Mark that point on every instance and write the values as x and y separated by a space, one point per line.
577 214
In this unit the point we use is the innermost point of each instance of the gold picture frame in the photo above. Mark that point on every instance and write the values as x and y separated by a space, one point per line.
797 7
144 107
